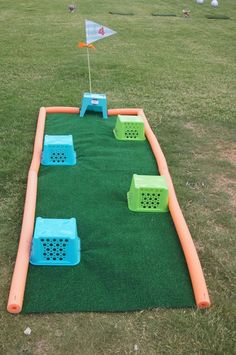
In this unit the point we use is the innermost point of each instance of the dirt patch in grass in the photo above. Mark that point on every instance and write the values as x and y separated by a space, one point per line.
42 348
198 129
228 153
199 247
223 183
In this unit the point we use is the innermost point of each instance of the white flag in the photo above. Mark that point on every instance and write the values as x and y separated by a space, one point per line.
95 31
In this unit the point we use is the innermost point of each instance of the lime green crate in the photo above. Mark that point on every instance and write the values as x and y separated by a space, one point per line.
148 194
129 128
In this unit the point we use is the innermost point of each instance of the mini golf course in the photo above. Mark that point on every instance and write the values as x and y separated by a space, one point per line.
129 260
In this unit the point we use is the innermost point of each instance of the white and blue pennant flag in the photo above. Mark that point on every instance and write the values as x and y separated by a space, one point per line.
95 31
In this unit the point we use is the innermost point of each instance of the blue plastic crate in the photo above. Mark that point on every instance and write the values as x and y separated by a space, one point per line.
94 102
55 242
58 150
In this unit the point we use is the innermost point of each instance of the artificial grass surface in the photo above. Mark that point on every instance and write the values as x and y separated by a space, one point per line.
129 260
121 13
158 14
217 17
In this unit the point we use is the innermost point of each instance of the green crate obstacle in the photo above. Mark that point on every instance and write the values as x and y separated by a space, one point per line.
148 194
129 128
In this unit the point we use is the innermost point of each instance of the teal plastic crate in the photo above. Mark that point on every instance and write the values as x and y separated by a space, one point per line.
148 194
94 102
129 128
58 150
55 242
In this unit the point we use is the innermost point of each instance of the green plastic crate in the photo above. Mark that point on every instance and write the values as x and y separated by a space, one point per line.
129 128
148 194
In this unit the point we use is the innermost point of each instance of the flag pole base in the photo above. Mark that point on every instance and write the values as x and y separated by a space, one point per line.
94 102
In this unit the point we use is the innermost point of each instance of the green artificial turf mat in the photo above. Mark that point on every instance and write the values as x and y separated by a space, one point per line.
218 17
157 14
129 261
121 13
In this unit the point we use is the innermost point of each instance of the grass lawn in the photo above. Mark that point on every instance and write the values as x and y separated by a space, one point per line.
182 73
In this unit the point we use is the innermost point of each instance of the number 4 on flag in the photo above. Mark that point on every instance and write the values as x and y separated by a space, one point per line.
95 31
101 31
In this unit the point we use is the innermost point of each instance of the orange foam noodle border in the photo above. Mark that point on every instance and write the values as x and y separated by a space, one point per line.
17 290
